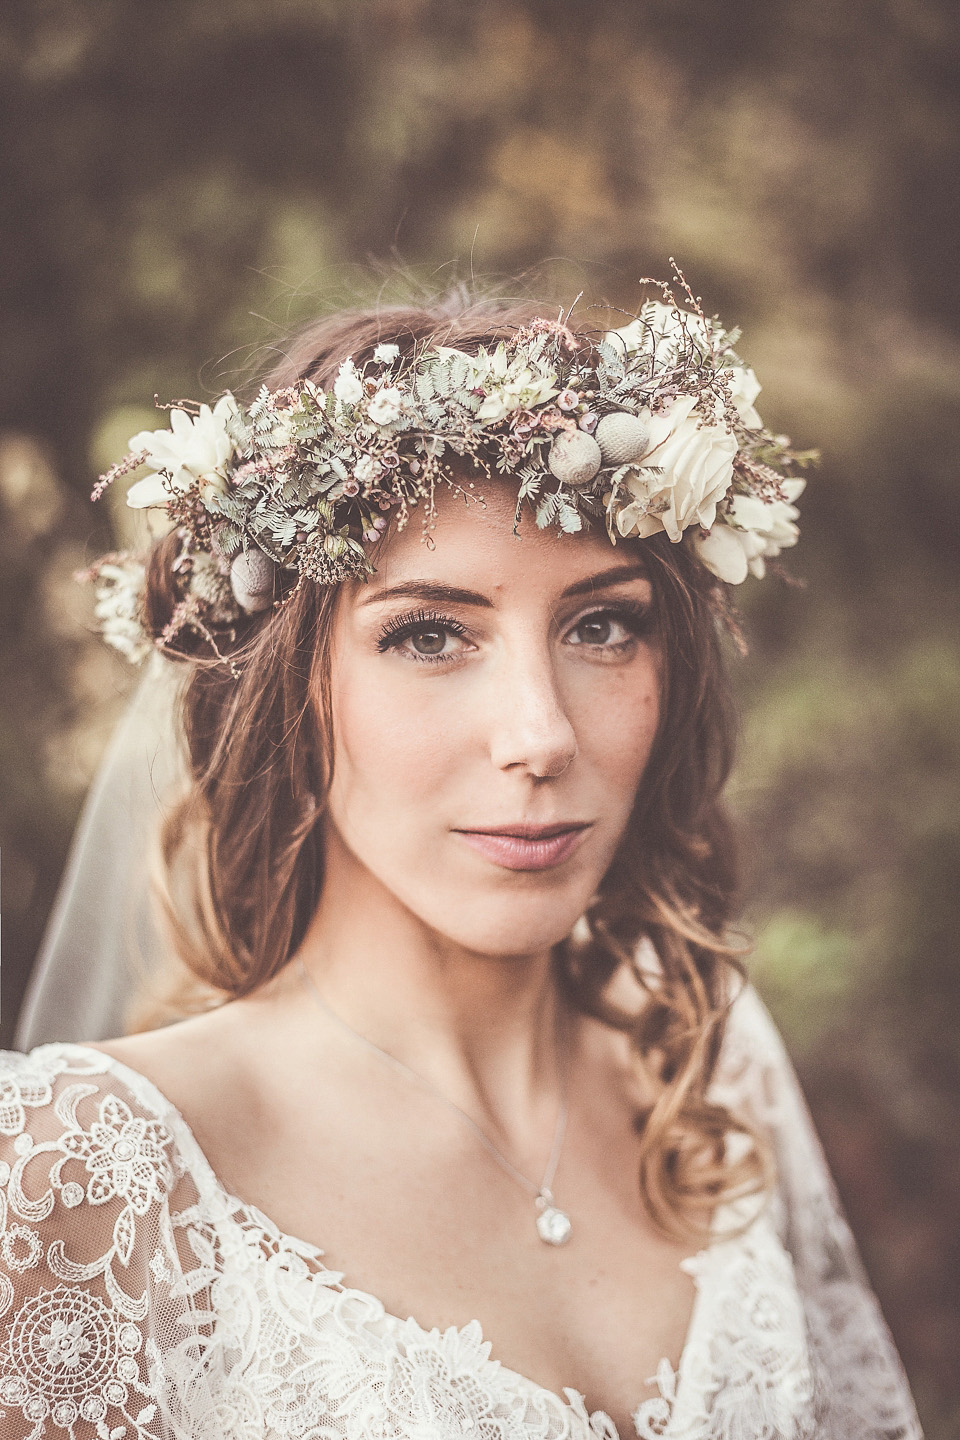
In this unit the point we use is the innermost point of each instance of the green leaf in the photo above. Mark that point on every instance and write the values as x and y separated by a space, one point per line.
569 516
547 510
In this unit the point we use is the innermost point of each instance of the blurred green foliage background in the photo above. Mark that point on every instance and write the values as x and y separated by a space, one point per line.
184 181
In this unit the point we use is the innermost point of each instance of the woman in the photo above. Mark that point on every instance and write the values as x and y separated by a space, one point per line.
451 888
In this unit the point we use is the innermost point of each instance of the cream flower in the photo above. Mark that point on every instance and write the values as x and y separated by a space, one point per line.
696 465
367 470
511 385
386 406
744 389
348 387
661 329
724 552
386 354
754 531
283 425
195 451
119 589
521 392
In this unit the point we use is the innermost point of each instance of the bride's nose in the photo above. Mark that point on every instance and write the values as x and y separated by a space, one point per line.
530 728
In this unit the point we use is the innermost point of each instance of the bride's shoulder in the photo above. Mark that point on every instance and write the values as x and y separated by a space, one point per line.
63 1100
193 1063
41 1088
754 1074
90 1162
751 1036
95 1101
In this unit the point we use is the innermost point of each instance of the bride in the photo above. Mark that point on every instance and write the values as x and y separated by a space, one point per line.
474 1127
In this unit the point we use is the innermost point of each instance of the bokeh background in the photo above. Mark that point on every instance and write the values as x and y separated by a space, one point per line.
182 182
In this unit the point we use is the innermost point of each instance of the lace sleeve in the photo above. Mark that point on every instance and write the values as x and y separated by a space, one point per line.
860 1387
104 1286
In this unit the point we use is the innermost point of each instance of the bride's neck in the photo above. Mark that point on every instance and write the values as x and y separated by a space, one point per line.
481 1029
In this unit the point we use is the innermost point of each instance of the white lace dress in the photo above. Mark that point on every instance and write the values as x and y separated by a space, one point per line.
140 1301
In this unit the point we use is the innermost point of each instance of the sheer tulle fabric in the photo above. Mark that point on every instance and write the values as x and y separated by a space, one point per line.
140 1301
102 941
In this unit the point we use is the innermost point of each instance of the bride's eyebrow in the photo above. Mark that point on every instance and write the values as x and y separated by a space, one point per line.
435 593
619 575
431 591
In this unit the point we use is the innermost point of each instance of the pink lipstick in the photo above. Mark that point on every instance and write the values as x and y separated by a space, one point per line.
528 847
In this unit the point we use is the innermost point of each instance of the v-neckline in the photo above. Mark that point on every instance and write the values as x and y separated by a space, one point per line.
202 1170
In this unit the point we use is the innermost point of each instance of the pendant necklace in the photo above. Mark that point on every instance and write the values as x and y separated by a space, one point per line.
553 1225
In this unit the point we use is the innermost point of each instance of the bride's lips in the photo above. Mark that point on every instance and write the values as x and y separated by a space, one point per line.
528 847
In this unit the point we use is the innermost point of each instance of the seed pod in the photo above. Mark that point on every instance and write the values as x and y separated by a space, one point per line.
623 438
252 579
574 458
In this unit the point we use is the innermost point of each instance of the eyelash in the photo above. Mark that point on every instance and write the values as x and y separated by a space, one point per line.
401 627
635 616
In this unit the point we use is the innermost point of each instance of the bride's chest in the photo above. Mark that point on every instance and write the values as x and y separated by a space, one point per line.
298 1352
597 1314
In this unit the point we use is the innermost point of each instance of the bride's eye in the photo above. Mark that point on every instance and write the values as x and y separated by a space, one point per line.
612 629
428 642
423 637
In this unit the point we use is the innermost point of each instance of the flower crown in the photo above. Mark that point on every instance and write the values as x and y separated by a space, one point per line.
653 428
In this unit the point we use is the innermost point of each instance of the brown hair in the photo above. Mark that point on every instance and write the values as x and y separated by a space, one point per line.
242 855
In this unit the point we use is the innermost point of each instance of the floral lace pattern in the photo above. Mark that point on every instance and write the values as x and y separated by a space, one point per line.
140 1301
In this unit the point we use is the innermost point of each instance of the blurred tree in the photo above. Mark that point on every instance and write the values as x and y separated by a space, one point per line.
184 182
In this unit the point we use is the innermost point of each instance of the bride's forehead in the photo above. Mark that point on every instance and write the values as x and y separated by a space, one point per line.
477 540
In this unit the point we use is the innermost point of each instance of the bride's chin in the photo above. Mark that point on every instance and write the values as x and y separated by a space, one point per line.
508 931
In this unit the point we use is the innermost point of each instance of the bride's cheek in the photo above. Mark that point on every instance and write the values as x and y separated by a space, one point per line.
622 725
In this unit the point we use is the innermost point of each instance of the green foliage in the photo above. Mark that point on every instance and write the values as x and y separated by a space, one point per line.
804 970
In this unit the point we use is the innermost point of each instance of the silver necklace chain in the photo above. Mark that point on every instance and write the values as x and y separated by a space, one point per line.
553 1226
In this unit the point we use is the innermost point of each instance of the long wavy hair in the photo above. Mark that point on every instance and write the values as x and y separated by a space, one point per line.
242 862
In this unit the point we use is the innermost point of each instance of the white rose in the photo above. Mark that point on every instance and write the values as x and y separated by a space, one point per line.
386 406
770 524
386 353
194 451
697 467
744 389
348 386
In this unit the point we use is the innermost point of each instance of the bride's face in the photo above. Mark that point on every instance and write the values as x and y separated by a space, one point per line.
494 701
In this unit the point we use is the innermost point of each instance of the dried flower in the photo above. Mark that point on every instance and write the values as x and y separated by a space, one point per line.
367 470
386 405
348 387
